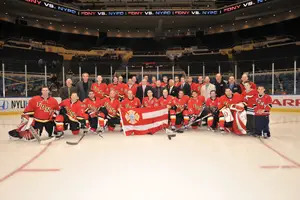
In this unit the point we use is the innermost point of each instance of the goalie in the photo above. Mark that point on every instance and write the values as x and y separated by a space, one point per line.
39 113
232 113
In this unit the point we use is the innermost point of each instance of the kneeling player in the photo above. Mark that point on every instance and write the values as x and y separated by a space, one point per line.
92 105
72 116
195 107
262 113
150 101
169 102
109 111
212 108
43 109
182 114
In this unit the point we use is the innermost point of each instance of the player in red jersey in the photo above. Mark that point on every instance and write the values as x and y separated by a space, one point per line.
153 83
169 101
243 80
164 83
109 111
122 87
250 96
262 113
212 107
182 114
100 89
150 101
130 101
92 105
115 86
72 113
43 109
232 115
177 82
130 86
195 107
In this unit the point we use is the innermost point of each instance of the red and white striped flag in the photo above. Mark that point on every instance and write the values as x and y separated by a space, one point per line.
140 121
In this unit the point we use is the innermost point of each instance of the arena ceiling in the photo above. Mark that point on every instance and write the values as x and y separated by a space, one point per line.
127 26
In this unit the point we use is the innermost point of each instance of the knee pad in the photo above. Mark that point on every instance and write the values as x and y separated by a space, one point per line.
210 121
75 132
59 123
111 128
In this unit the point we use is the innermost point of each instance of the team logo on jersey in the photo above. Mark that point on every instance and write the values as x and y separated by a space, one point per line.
132 117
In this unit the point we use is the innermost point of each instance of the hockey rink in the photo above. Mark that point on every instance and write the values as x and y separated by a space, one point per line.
193 165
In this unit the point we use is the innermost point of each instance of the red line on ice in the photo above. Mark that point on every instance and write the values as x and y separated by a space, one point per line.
21 168
297 165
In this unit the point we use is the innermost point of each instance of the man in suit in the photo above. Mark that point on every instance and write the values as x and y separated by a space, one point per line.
66 91
141 91
234 86
185 87
173 91
83 87
158 90
207 87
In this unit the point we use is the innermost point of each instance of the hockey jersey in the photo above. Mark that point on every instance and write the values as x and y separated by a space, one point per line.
253 86
264 103
164 102
224 101
75 111
41 109
131 103
195 105
150 103
181 103
92 105
111 106
100 90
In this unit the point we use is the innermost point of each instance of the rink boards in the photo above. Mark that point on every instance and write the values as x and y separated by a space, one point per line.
281 103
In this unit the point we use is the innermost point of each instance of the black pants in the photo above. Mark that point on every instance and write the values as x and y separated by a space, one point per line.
179 118
73 125
49 126
112 121
250 126
93 122
216 120
262 125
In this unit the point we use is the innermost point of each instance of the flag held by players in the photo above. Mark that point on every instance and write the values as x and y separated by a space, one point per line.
140 121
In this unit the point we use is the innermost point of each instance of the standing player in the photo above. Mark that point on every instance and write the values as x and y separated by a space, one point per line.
164 83
250 96
182 114
109 110
43 110
169 101
150 101
243 80
212 107
72 114
262 113
100 89
232 117
121 88
92 105
130 86
115 86
195 107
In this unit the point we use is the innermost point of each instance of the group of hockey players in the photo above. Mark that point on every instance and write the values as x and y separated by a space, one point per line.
243 108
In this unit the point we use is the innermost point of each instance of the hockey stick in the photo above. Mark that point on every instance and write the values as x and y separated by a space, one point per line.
38 138
180 130
77 142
